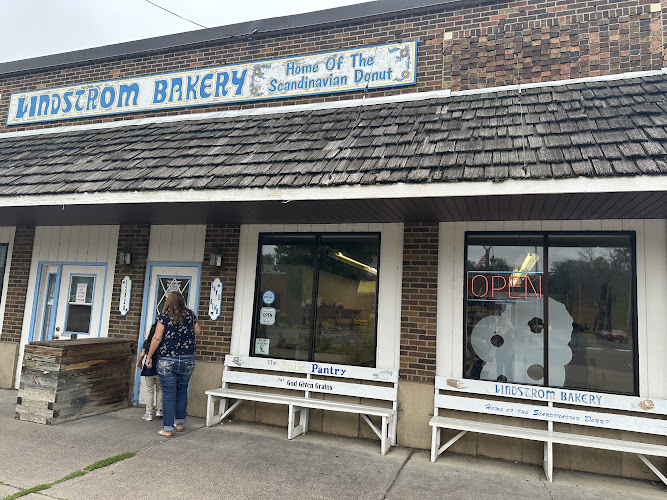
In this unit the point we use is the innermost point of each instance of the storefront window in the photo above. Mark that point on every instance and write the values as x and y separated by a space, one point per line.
316 298
552 309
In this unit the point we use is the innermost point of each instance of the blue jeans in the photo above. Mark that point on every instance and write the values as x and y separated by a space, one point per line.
174 373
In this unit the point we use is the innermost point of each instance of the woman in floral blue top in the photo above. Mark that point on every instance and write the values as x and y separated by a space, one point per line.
174 341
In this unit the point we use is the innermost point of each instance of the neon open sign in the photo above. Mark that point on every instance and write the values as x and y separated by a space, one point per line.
505 286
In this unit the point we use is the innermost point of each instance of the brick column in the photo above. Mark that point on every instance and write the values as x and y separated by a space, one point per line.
17 287
419 296
215 339
135 239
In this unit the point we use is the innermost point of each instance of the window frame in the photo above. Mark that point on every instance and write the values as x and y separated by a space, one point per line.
545 247
317 237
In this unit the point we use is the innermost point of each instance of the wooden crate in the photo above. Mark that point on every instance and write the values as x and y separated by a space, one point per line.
64 380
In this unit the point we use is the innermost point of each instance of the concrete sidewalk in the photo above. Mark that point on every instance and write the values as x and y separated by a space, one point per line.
247 461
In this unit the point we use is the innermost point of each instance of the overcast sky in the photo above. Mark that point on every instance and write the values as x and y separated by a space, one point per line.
33 28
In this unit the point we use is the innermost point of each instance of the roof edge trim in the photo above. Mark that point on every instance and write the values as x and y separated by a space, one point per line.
640 183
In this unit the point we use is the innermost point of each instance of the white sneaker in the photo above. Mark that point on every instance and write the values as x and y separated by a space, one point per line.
148 416
158 413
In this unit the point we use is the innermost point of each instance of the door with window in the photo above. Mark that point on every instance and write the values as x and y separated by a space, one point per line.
162 281
80 295
70 301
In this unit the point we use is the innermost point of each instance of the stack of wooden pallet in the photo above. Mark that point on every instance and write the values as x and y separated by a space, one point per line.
64 380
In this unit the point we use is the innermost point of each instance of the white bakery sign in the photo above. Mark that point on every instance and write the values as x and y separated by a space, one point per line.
340 71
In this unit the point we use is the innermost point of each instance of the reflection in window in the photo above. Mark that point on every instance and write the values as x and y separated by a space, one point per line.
583 309
593 279
80 303
317 298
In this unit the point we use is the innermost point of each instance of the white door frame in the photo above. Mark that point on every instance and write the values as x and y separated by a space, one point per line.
146 305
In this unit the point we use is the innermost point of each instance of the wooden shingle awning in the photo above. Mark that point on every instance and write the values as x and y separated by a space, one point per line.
395 161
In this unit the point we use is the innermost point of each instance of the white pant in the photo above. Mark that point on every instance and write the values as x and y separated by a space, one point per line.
153 385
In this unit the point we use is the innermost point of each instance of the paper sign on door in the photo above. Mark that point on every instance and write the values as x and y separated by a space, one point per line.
81 289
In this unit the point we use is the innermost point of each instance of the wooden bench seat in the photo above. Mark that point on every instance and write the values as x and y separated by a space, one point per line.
549 411
306 379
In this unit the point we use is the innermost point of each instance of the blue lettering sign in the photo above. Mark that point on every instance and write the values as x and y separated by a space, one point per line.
205 87
43 108
55 103
176 85
221 81
93 93
238 81
359 68
68 102
160 91
22 108
191 88
78 94
108 97
127 91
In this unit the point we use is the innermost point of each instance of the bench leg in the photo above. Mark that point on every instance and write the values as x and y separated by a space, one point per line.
292 430
436 449
212 418
392 428
385 440
435 442
548 460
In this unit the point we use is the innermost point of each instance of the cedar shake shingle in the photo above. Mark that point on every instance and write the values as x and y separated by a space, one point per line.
604 128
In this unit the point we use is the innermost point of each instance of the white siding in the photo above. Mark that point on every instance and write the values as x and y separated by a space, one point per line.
389 294
651 242
183 243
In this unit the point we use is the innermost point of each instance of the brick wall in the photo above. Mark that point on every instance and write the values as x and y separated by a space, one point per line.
214 341
134 238
17 286
521 42
486 44
419 302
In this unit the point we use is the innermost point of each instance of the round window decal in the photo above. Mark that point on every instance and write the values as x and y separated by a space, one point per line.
268 297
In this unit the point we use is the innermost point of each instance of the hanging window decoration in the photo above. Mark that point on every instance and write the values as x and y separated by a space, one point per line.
169 284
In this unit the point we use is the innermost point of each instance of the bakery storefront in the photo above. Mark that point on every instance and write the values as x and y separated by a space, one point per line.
363 192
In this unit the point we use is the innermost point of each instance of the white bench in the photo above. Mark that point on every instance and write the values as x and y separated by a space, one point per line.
305 379
550 408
